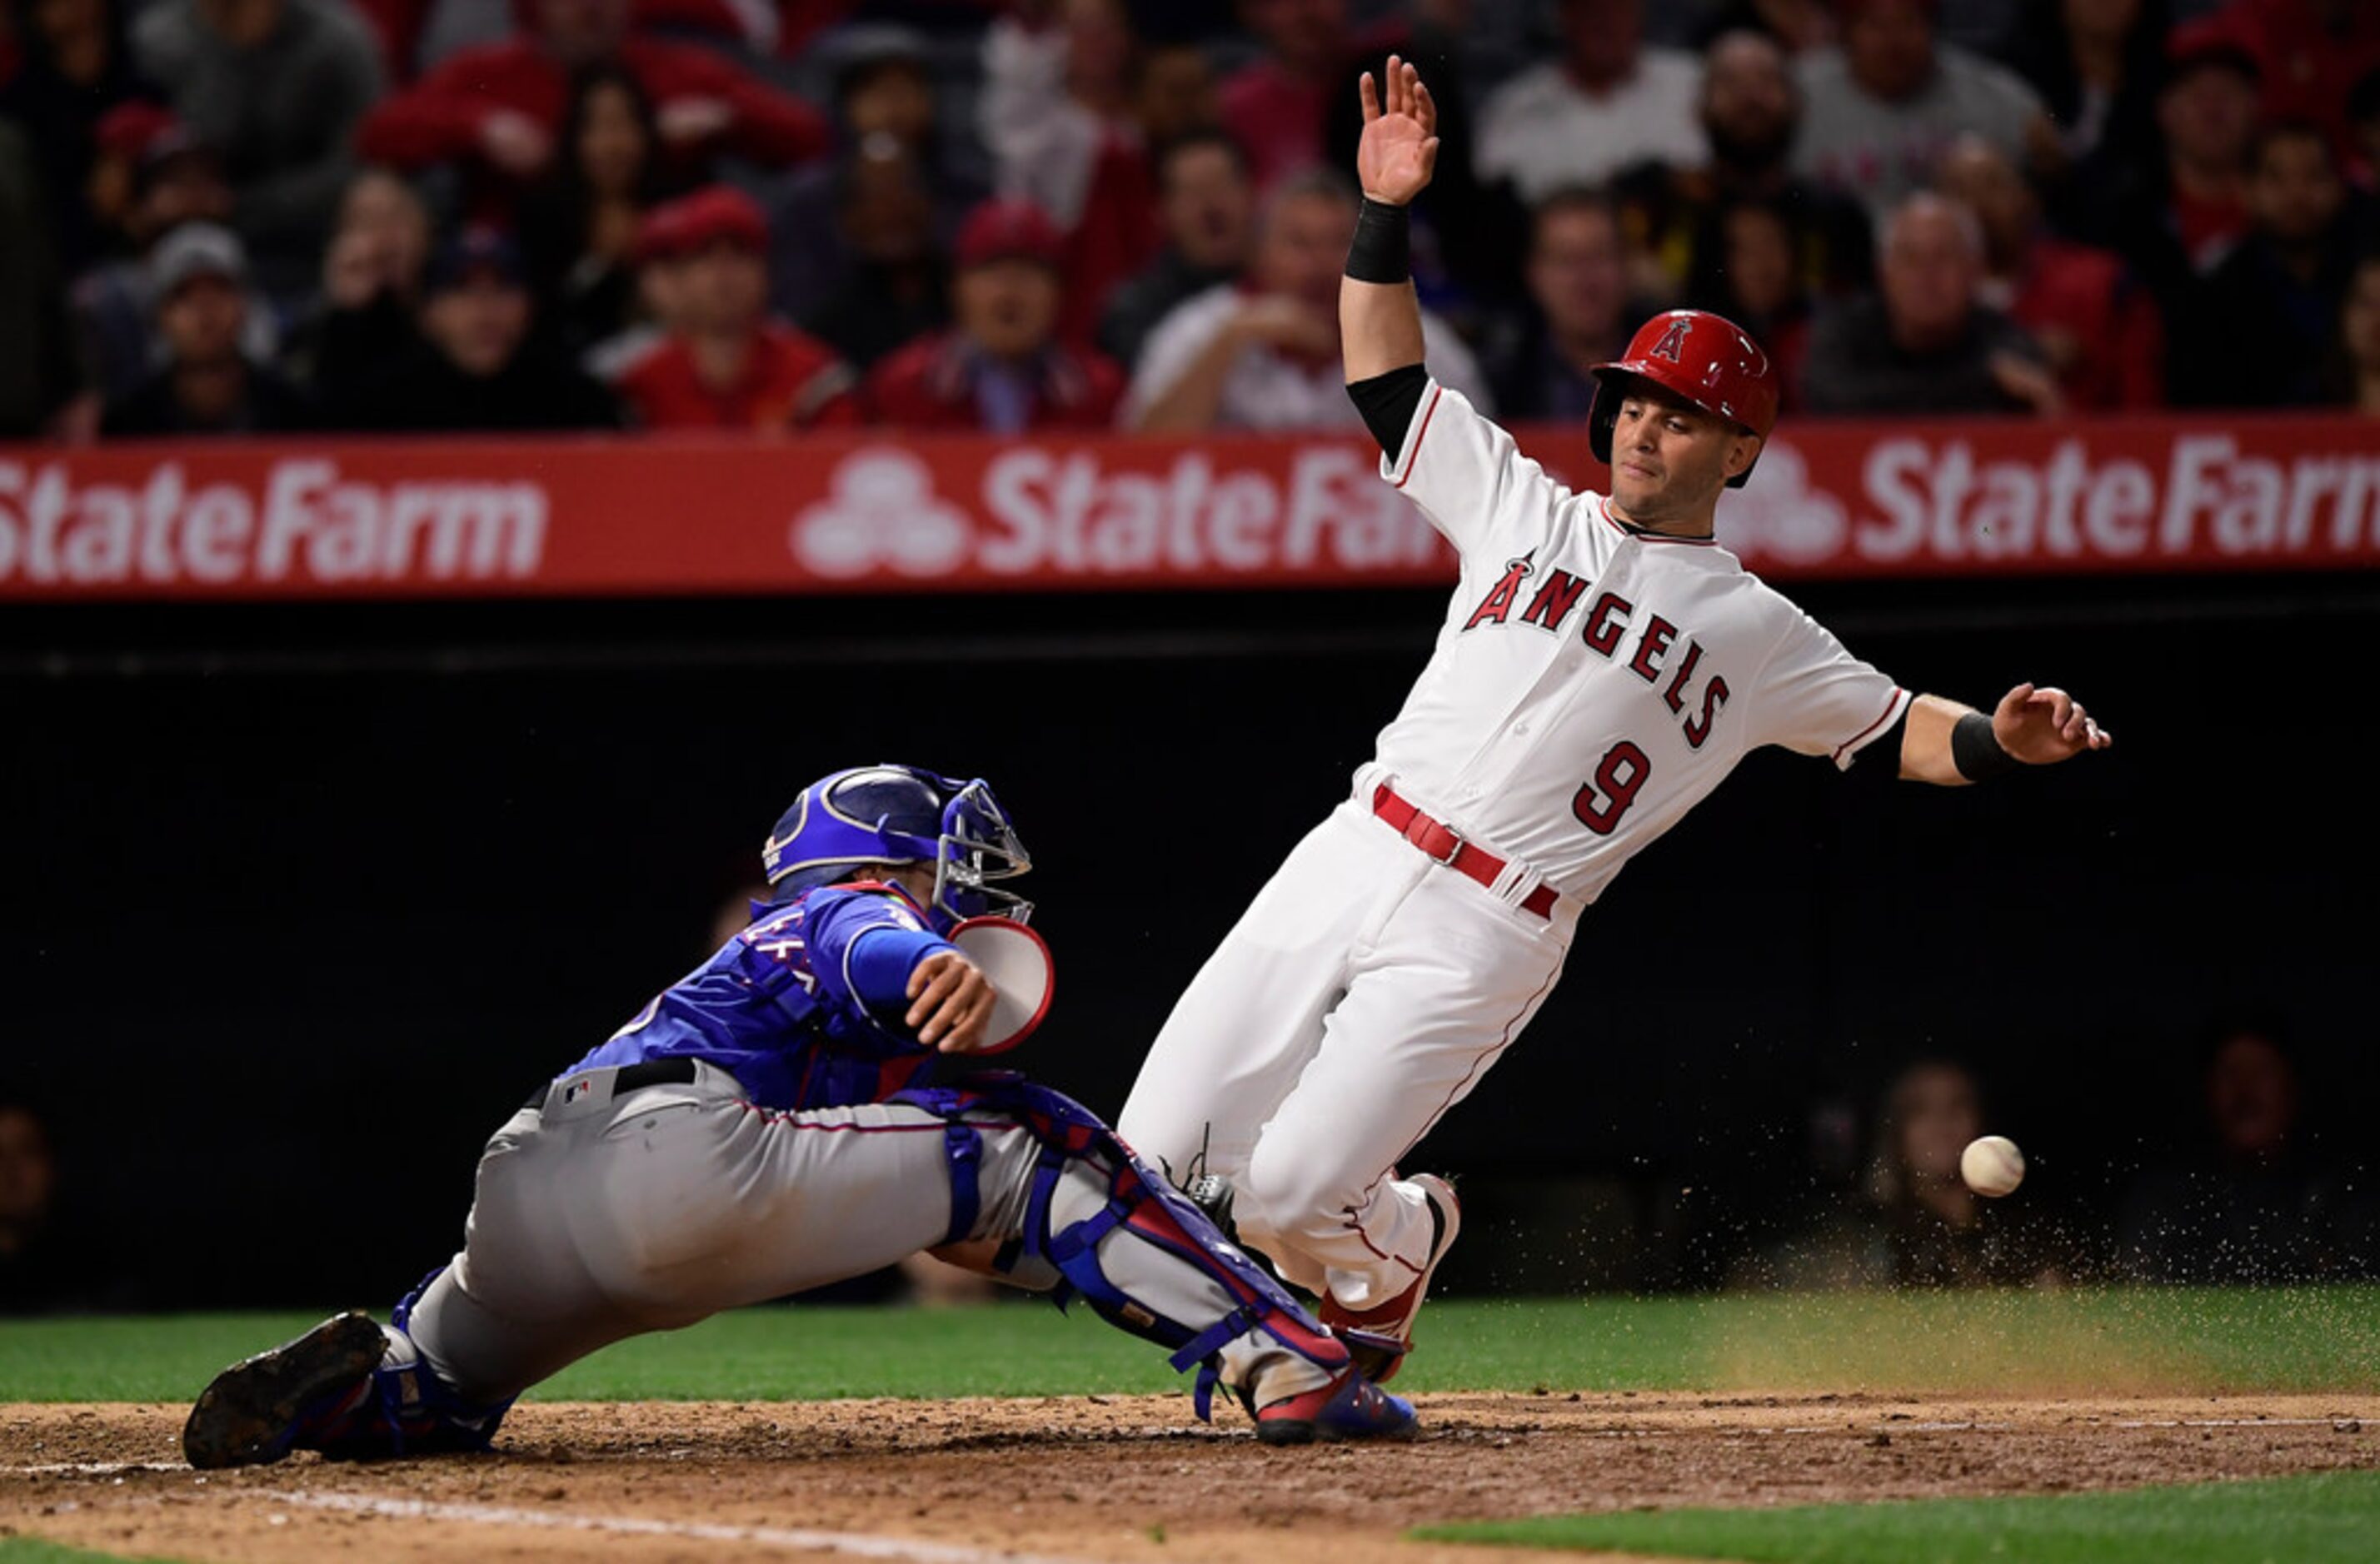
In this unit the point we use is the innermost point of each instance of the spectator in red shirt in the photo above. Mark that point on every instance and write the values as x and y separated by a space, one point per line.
499 109
1276 104
2099 330
725 364
1002 368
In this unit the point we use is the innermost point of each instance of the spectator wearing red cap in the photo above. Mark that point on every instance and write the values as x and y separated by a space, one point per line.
2094 322
2312 53
498 109
725 364
276 87
1881 110
475 367
2175 219
75 68
1001 369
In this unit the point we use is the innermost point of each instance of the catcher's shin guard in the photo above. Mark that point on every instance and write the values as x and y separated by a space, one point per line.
1145 1205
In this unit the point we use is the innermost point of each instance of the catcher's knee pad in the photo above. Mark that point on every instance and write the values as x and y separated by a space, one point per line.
1138 1200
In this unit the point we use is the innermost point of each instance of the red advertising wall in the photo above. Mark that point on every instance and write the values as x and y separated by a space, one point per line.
875 512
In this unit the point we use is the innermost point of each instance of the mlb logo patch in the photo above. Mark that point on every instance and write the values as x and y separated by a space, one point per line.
576 1089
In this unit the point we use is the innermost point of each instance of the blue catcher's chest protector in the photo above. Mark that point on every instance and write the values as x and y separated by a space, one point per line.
780 1006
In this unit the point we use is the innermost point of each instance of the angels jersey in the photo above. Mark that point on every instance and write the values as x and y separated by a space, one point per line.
1591 683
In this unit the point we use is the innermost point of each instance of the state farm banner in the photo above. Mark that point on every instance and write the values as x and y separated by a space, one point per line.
875 511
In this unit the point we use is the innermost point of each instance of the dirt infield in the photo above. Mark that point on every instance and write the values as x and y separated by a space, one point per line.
1123 1478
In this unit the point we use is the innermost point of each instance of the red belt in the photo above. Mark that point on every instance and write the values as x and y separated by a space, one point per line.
1438 840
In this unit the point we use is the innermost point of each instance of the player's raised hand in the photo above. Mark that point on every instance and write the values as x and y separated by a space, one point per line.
950 1002
2042 726
1399 152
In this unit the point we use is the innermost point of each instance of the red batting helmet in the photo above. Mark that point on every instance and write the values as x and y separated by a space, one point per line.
1706 358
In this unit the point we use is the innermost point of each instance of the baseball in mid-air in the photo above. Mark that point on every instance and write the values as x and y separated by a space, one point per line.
1992 1165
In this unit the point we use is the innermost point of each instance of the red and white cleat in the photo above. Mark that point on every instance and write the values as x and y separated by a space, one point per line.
1379 1337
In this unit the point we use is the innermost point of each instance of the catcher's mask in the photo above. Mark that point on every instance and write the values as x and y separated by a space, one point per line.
1707 360
901 815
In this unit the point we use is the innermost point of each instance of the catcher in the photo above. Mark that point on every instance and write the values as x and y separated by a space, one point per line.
769 1123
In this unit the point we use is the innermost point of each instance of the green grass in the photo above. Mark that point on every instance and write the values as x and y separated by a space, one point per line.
2179 1339
33 1550
2330 1519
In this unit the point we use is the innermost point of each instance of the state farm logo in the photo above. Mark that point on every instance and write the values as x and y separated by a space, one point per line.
881 511
1081 512
299 519
1778 515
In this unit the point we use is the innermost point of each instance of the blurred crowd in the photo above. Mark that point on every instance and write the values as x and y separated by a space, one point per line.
223 216
2249 1192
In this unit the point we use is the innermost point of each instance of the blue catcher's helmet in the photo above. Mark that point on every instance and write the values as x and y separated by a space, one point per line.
900 815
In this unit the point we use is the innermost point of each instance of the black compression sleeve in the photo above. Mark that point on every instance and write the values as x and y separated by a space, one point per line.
1388 402
1975 749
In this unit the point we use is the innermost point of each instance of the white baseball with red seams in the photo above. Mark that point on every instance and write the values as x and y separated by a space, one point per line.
1590 686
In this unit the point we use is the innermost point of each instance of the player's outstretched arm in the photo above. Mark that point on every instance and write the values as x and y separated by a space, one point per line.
1950 744
1380 321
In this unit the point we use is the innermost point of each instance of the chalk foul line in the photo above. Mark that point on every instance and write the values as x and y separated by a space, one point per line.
858 1545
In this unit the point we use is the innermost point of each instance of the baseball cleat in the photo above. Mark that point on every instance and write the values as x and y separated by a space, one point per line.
1379 1337
1350 1407
253 1411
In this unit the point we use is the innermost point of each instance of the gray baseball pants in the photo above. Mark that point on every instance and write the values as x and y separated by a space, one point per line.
600 1218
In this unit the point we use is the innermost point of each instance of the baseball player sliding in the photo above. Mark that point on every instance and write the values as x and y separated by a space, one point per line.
1603 665
771 1122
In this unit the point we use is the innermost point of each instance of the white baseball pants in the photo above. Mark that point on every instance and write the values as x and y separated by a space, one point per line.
1364 993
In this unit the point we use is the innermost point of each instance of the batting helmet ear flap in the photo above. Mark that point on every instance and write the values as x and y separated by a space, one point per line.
1601 415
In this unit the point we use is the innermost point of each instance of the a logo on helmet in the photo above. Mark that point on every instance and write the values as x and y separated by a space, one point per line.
1672 345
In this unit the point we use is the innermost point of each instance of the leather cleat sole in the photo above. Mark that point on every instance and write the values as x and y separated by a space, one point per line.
1350 1407
251 1411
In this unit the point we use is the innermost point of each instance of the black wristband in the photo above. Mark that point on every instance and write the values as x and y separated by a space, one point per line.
1975 749
1383 249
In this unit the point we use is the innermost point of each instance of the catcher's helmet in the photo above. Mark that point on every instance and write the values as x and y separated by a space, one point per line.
900 815
1706 358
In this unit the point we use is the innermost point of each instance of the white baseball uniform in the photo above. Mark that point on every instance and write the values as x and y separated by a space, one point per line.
1590 686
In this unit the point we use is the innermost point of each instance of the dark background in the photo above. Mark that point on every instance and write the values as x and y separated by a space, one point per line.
302 902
